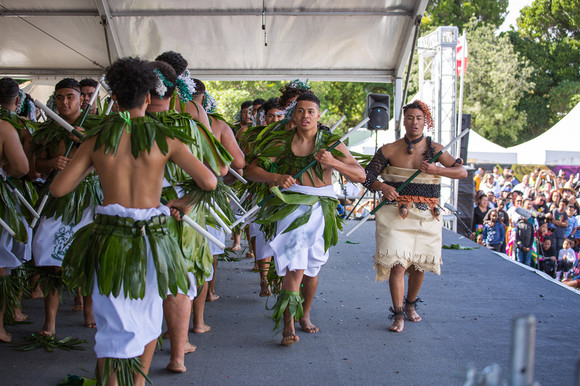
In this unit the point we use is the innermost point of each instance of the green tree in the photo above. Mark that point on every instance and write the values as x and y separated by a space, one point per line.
548 36
496 80
459 12
340 98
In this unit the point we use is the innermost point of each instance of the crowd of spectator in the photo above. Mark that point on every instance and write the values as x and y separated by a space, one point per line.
535 221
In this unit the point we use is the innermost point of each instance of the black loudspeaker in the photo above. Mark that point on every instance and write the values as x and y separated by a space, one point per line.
465 193
378 111
465 124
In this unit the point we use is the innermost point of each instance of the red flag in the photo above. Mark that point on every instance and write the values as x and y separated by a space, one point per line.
461 55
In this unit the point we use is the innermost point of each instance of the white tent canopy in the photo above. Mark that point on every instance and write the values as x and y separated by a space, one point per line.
483 151
557 146
346 40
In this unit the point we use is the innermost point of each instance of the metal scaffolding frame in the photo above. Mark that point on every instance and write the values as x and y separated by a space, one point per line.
438 88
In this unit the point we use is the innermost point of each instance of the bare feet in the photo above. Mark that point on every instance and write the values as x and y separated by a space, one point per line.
165 335
201 330
37 293
412 314
46 332
176 367
211 297
236 248
398 324
249 255
189 348
307 326
5 337
399 316
78 304
289 340
19 316
89 319
264 288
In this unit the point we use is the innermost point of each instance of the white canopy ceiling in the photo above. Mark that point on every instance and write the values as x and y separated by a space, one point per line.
349 40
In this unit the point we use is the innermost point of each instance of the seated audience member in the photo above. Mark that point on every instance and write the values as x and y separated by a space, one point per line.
573 279
566 259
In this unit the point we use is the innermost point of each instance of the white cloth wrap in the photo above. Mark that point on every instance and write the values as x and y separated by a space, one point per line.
52 238
7 257
263 249
302 248
218 234
24 250
191 292
125 326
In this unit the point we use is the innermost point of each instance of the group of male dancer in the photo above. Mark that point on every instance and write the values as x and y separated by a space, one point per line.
104 231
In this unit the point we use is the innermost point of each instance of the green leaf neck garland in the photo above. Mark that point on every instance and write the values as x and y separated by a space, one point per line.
144 131
17 122
202 146
279 146
50 134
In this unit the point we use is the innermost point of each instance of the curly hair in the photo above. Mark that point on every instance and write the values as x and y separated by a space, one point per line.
272 103
8 91
130 80
175 60
417 104
291 90
170 76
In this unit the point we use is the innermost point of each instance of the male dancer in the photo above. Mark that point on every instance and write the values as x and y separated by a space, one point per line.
62 217
409 228
13 162
88 87
177 309
147 261
300 253
226 137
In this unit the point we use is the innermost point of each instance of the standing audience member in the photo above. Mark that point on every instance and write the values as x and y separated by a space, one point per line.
560 220
479 212
547 257
524 239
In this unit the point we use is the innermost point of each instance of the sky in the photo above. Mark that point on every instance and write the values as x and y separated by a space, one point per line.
514 8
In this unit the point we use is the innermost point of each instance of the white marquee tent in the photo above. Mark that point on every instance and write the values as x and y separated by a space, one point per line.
560 145
339 40
483 151
358 40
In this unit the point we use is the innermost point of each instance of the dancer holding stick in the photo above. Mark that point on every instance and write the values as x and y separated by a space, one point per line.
408 235
301 223
128 246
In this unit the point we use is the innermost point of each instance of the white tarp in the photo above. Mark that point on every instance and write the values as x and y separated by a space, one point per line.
362 40
557 146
